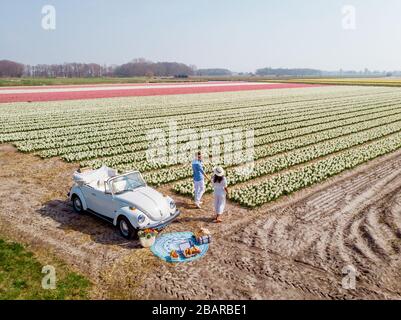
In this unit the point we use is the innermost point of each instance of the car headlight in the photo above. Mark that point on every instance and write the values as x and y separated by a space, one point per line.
172 204
141 218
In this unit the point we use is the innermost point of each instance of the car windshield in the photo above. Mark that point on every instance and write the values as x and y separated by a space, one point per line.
127 182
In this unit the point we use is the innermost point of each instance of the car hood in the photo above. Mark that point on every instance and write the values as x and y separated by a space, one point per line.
147 200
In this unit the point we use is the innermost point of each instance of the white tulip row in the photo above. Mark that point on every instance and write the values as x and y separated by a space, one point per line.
267 144
258 122
179 172
58 113
284 161
70 134
127 133
288 182
294 129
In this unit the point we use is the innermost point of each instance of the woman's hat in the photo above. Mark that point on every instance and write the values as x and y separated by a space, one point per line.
218 171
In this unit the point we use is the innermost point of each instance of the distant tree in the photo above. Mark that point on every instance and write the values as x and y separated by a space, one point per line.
11 69
288 72
213 72
142 67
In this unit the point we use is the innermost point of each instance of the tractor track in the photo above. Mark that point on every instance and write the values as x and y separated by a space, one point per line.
298 246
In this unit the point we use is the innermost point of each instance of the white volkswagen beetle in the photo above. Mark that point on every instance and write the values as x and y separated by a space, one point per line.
123 200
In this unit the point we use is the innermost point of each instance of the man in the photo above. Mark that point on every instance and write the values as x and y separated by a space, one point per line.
199 181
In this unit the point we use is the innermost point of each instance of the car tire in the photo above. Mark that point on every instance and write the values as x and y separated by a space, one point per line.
126 229
77 204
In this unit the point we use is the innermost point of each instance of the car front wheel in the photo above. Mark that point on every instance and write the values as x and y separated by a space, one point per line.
125 228
77 204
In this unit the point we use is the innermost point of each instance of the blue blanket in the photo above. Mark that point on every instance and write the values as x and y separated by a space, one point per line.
175 241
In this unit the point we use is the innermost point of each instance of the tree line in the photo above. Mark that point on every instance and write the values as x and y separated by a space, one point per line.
11 69
213 72
135 68
288 72
144 68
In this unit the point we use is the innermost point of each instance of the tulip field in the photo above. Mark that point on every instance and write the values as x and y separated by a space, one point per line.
302 136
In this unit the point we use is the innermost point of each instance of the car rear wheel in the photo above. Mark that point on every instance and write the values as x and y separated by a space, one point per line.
77 204
125 228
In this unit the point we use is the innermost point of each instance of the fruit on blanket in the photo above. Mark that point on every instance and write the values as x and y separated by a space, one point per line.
174 254
195 250
192 251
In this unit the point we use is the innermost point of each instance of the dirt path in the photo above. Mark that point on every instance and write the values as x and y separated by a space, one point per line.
35 211
295 248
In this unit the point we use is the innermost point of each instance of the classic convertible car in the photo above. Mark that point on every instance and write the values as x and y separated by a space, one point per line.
123 200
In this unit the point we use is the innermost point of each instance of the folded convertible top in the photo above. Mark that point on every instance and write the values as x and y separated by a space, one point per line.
101 174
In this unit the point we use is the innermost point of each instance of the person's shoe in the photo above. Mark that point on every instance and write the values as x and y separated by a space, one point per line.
197 204
218 220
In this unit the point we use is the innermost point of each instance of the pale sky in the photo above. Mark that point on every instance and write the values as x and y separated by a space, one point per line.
235 34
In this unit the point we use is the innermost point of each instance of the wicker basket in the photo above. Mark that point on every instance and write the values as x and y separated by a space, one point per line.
147 242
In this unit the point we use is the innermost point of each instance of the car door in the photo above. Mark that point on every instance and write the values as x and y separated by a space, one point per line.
99 201
105 204
90 196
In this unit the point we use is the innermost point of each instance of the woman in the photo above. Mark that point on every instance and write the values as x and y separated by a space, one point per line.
220 191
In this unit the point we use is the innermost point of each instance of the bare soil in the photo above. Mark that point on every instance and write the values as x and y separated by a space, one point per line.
295 248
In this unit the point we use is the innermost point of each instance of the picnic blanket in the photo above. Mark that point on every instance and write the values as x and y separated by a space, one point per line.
174 241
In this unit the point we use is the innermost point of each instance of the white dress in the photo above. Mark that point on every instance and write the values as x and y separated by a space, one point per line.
219 196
